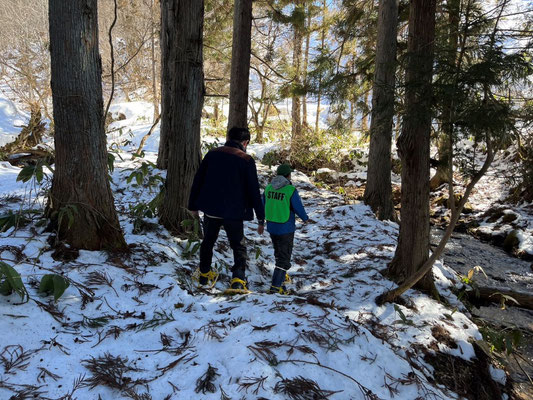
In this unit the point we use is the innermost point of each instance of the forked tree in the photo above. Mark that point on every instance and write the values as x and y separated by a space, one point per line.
80 202
181 110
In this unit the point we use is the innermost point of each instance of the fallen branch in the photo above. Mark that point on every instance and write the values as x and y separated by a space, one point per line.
145 137
501 295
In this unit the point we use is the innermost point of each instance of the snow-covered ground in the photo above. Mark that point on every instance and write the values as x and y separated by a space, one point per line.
135 326
11 118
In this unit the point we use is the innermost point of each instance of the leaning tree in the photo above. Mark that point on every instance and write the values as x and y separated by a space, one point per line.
80 202
181 109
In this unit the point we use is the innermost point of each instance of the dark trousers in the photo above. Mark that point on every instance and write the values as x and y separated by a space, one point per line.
283 249
235 231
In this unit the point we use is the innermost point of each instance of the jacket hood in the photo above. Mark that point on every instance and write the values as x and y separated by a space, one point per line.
279 181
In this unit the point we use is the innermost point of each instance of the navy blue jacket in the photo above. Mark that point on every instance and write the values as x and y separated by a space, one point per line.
226 185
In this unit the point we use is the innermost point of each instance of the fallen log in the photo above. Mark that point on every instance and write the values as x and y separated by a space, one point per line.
502 295
30 157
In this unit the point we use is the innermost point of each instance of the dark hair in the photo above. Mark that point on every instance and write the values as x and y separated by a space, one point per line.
239 134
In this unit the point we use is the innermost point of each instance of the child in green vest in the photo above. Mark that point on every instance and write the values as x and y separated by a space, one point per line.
282 204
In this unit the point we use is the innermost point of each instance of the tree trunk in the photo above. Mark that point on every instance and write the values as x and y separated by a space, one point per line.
183 94
425 269
155 100
296 106
81 202
305 67
445 140
322 42
413 147
240 64
378 191
364 119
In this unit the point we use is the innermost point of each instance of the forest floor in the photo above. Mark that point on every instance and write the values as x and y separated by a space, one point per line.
136 326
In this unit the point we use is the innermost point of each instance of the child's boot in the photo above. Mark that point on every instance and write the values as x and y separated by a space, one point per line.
278 282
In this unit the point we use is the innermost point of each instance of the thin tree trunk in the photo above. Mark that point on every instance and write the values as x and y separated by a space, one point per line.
182 60
216 113
296 106
81 203
145 137
413 147
240 64
305 67
445 140
378 191
364 119
322 42
155 100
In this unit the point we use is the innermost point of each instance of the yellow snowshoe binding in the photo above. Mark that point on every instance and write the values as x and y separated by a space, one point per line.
206 280
278 290
237 286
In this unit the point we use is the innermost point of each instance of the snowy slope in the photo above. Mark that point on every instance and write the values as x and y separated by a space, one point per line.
135 326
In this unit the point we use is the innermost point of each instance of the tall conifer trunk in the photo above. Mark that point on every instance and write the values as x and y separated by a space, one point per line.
378 191
413 147
81 202
240 64
183 96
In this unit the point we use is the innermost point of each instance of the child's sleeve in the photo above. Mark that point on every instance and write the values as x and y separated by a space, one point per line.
298 207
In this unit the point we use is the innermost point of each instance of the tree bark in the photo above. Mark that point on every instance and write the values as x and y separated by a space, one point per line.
322 43
183 94
378 191
240 64
296 106
155 100
413 147
445 140
364 119
306 66
81 203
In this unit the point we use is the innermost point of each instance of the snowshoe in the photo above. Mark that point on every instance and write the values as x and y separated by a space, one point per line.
205 280
278 290
237 286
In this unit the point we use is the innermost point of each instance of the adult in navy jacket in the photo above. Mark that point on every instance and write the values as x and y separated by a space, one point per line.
226 190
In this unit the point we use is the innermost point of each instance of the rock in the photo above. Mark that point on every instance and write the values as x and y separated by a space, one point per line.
511 242
509 217
326 175
494 214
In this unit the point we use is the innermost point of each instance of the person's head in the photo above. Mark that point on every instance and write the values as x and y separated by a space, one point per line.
241 135
284 170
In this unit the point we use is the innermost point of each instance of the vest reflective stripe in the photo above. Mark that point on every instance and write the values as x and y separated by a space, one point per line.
278 203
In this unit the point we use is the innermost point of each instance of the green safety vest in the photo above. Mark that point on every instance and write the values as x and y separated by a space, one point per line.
278 203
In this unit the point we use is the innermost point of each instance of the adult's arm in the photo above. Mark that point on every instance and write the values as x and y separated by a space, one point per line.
197 183
254 193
